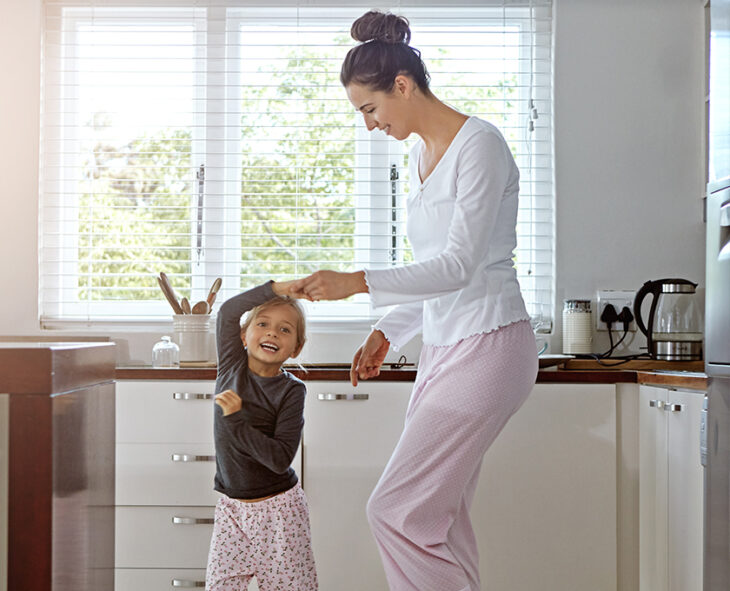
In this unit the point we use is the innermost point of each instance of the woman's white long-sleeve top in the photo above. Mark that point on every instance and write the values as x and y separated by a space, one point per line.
461 222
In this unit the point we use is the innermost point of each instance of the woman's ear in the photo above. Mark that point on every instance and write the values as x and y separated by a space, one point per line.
403 85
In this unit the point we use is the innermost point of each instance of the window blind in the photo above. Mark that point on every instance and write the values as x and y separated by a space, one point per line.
213 139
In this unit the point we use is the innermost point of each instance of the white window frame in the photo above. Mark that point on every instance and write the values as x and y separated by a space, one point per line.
221 213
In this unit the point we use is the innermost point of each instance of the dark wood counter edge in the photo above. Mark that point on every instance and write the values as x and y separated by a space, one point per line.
545 376
51 369
672 380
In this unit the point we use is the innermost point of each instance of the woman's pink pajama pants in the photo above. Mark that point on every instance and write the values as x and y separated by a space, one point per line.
419 511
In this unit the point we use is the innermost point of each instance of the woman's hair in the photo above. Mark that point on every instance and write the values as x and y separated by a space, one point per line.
273 303
383 53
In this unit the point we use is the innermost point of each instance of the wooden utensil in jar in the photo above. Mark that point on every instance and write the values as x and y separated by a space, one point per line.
213 293
201 307
185 305
169 293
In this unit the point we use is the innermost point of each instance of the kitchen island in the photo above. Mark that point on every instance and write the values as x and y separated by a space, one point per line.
57 466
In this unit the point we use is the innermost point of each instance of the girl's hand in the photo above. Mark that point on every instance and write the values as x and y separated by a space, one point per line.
229 401
329 285
283 288
369 357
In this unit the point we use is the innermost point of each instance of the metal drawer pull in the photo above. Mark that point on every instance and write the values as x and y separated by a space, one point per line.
328 397
192 458
192 520
191 396
189 584
656 404
669 407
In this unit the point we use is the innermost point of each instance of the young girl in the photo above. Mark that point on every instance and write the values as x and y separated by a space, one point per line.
262 521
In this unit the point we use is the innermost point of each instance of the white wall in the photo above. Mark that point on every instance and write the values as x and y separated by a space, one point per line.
629 112
629 104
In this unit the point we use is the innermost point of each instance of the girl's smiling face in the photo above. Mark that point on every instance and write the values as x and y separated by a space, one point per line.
387 111
271 338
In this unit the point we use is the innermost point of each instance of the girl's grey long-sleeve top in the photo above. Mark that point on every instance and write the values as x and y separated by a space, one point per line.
254 447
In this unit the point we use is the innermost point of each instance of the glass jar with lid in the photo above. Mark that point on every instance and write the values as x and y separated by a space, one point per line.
165 353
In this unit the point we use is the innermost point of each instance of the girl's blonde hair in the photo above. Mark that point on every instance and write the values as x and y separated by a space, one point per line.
251 315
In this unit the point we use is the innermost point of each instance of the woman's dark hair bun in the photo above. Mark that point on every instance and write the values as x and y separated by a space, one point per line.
381 26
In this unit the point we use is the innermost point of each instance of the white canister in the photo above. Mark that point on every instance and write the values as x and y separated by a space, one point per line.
577 327
192 335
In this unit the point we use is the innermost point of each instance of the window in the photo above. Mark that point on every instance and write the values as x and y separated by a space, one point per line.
214 140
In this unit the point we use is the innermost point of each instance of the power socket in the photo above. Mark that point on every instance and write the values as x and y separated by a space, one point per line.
619 299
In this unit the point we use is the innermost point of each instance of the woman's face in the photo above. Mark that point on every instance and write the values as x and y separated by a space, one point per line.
385 111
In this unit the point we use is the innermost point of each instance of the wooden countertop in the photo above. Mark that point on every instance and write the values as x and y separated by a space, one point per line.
337 373
48 368
687 380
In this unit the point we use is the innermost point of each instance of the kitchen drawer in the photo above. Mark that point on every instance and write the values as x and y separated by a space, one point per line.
162 579
162 411
148 537
158 579
148 475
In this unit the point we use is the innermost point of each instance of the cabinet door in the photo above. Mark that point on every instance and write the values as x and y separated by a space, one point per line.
652 489
347 443
164 411
545 508
158 579
684 491
163 537
671 490
165 474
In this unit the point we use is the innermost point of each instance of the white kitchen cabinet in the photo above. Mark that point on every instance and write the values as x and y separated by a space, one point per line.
670 489
164 483
165 500
349 434
545 509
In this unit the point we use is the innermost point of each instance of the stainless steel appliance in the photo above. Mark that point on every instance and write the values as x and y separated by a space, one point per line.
674 327
716 430
717 367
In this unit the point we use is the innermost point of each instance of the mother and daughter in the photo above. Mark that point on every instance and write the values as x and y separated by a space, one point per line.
477 365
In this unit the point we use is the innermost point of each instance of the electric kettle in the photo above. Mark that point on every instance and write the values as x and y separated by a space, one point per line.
674 327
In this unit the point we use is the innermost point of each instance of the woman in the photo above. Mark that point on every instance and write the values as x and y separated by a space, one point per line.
479 360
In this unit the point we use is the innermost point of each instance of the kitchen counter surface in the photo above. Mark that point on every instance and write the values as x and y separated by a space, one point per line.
691 380
342 373
42 368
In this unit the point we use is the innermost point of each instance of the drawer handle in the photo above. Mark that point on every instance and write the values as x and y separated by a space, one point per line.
669 407
656 404
192 458
188 584
328 397
191 396
192 520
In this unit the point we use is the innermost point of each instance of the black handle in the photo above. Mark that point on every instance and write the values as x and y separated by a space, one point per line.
646 289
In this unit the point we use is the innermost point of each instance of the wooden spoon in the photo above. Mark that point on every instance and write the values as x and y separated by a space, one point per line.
169 293
185 305
213 293
201 307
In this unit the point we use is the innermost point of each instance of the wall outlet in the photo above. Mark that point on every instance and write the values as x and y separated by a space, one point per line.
619 299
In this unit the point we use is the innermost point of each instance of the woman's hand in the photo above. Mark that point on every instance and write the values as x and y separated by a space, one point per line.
229 401
369 357
329 285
